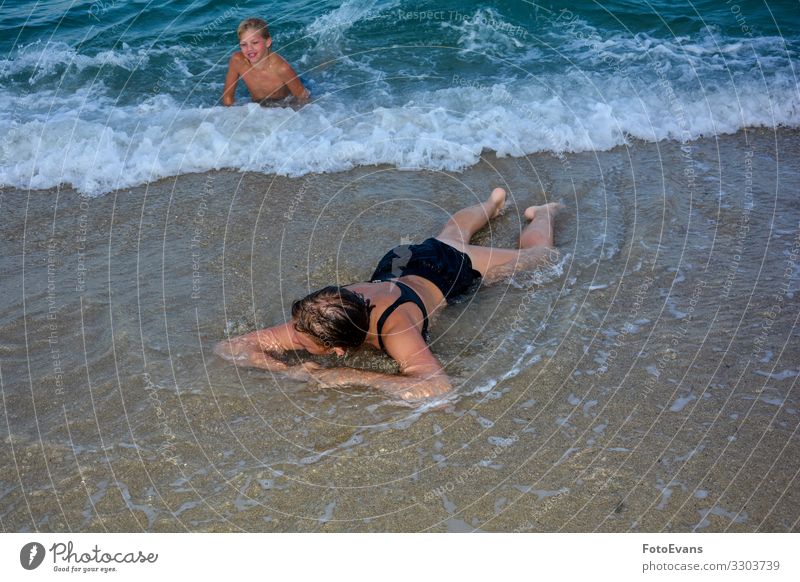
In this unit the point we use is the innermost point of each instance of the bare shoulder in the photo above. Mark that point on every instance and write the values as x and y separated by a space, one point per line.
279 61
281 65
238 61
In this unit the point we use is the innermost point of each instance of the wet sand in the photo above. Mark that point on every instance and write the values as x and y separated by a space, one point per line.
647 382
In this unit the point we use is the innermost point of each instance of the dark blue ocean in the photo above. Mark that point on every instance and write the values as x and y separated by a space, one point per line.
107 94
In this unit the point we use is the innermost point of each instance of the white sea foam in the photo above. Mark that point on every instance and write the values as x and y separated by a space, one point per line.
88 139
40 59
485 32
331 27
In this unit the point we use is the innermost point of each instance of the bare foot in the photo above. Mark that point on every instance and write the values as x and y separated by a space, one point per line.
530 212
551 209
498 199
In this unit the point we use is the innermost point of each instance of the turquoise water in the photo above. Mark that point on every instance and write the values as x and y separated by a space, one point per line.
107 94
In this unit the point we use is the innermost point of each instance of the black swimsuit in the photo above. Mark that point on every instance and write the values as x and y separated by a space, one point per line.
444 266
407 295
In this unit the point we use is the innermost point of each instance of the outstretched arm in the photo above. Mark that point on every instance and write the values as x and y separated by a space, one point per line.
293 83
404 386
421 375
254 349
231 79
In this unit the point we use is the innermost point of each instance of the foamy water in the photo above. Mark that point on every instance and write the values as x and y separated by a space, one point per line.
142 108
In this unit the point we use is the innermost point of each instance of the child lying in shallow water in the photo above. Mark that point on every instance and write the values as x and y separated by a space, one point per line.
390 312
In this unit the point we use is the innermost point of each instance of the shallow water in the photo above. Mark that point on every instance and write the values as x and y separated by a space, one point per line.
646 382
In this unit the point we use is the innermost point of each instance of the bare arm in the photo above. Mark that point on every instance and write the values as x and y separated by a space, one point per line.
253 349
421 375
230 82
293 83
405 386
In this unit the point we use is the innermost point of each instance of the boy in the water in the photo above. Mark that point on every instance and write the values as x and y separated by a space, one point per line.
267 75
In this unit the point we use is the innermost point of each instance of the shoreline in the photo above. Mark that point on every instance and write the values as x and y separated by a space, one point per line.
648 385
486 155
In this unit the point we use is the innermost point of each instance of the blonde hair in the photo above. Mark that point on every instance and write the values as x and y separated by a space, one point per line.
256 24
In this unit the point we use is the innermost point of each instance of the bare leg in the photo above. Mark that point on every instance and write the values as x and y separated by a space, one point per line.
539 231
536 246
466 222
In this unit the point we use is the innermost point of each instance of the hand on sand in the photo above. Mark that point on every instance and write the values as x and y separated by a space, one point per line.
303 372
231 351
425 390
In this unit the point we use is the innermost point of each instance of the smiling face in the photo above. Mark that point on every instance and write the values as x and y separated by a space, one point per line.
254 46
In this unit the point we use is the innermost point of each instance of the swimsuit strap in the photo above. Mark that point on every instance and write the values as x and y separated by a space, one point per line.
407 294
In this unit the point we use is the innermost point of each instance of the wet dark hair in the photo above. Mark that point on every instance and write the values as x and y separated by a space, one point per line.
333 316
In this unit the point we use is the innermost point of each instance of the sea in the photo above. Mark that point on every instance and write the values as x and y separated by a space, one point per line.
109 94
643 379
